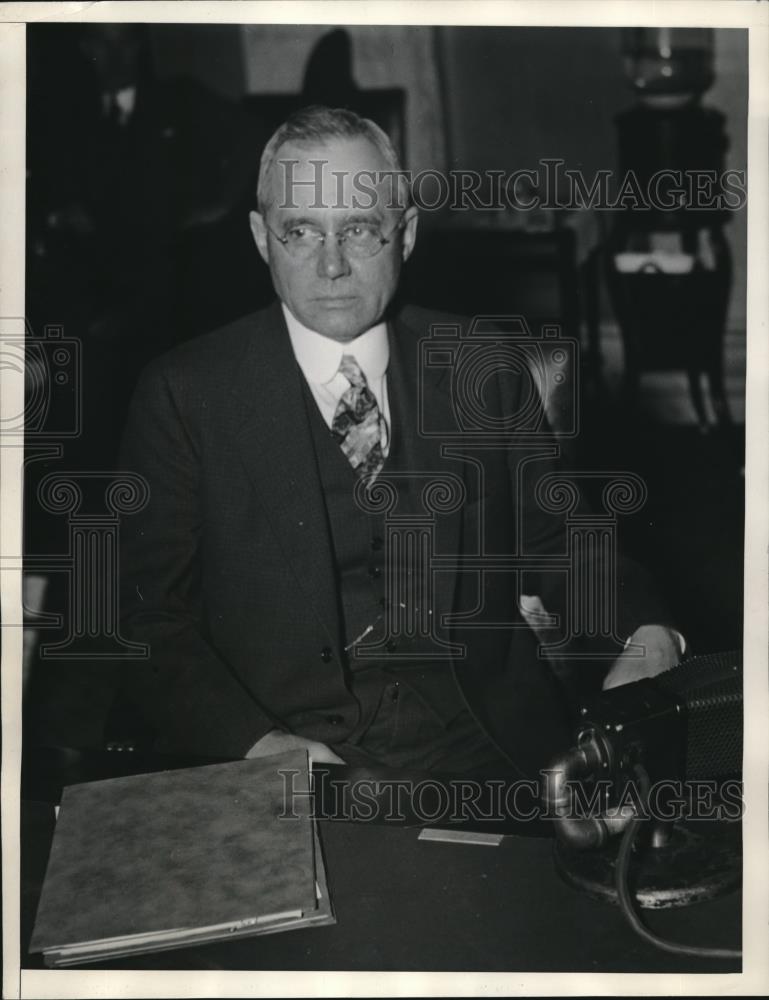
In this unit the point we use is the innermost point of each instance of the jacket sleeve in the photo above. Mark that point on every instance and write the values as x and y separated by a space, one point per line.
612 592
184 691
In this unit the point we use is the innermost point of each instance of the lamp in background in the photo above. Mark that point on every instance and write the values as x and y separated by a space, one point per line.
669 264
668 67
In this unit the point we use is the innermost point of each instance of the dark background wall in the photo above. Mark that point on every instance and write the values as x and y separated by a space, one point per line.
516 96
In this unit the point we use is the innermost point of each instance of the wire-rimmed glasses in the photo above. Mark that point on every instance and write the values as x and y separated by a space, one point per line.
359 238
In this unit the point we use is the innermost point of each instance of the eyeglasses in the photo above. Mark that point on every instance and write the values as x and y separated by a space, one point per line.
360 239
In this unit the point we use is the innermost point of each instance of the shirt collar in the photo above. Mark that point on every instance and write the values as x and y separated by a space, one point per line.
319 356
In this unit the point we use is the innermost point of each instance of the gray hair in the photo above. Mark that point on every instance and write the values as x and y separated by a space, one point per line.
317 124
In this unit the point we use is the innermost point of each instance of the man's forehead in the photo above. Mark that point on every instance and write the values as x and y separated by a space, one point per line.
341 173
341 151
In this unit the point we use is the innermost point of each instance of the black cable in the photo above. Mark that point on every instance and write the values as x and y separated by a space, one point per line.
628 908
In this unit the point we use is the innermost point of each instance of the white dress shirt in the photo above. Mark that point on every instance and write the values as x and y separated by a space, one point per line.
319 358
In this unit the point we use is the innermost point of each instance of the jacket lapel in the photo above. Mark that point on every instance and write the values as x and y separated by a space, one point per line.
276 448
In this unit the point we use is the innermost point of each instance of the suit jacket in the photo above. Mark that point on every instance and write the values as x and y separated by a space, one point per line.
228 573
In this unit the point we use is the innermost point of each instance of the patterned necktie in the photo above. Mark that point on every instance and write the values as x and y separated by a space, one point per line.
358 425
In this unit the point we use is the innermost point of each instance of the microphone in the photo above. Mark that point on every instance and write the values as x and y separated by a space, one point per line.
683 724
682 730
709 691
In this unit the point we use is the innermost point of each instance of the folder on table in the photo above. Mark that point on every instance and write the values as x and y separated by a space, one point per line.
176 858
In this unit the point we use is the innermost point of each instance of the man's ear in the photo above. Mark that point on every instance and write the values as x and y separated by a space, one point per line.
410 220
259 232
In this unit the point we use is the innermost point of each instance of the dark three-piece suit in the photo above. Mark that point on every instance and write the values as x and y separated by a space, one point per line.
268 583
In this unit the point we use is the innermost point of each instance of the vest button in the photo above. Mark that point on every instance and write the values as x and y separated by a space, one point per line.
326 654
335 720
376 543
374 572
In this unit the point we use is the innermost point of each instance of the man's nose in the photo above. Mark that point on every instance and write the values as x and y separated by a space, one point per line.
332 262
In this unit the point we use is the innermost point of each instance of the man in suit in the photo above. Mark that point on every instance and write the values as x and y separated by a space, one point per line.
273 572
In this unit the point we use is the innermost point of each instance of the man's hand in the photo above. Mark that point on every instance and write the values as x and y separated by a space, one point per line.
277 741
663 650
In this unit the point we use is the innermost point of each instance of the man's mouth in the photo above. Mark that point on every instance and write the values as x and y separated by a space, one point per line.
332 301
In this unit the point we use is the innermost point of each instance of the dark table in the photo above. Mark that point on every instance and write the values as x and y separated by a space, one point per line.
407 904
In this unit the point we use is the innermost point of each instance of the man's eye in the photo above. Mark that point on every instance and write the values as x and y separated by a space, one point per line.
302 234
359 231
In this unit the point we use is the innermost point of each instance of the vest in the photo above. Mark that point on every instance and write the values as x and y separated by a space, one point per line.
367 577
